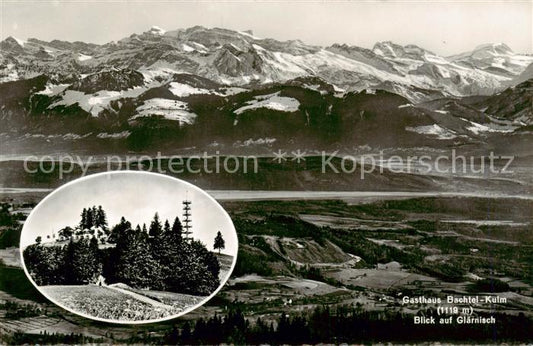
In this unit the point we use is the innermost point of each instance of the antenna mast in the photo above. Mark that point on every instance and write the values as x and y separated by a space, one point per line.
187 233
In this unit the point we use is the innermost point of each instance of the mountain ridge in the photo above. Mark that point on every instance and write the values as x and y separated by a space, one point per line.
218 88
238 58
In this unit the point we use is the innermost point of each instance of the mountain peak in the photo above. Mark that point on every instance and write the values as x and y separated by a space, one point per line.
156 30
12 44
499 48
14 40
389 49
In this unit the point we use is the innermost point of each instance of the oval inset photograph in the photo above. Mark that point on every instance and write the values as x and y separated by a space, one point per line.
128 247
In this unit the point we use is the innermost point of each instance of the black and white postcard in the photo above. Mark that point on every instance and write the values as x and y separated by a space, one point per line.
266 172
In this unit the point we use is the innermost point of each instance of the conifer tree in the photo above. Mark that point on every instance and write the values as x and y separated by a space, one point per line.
136 265
177 227
101 218
83 222
166 248
94 216
219 242
155 226
88 218
119 230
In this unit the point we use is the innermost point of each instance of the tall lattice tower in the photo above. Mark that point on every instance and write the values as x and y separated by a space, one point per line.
187 233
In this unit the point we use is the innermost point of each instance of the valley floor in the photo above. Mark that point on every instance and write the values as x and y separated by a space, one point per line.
296 256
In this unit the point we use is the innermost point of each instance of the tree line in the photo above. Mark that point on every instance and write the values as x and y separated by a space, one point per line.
341 324
324 324
46 338
158 258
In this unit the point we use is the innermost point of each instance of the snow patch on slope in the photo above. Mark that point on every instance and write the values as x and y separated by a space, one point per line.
198 47
168 109
258 47
10 74
252 142
271 101
405 105
433 130
187 48
66 136
97 102
315 87
184 90
249 35
83 57
157 72
477 128
157 30
116 135
19 41
53 89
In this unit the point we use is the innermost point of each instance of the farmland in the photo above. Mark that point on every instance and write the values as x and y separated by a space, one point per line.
296 256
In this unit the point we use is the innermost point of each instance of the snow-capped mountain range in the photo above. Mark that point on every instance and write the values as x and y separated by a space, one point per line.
217 88
241 59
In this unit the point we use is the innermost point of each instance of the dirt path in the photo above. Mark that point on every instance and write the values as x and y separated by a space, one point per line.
140 297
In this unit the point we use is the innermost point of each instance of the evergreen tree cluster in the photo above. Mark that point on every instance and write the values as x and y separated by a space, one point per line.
323 325
342 324
76 263
46 338
14 310
158 258
93 216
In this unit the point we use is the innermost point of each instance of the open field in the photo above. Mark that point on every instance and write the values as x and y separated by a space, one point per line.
40 324
106 303
11 257
377 278
177 301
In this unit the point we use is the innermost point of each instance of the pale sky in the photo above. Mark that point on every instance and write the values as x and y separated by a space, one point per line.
135 195
444 27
